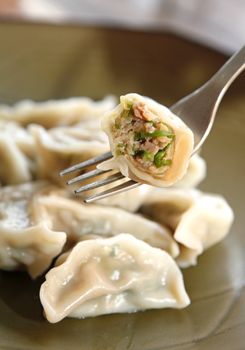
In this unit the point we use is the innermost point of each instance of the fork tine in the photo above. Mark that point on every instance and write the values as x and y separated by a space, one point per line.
100 183
87 175
126 186
86 163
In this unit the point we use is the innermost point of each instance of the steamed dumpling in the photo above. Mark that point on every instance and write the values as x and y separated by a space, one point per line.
56 112
85 221
26 239
20 136
114 275
202 226
15 167
197 220
149 143
129 200
133 199
34 152
59 148
196 173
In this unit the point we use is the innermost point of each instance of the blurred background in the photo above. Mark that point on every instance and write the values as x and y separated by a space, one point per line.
161 48
217 23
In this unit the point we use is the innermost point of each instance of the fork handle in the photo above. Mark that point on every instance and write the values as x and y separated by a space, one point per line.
228 72
205 101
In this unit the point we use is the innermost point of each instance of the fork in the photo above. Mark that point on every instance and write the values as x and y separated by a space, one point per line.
197 110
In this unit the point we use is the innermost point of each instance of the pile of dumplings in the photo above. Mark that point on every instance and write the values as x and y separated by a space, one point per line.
121 254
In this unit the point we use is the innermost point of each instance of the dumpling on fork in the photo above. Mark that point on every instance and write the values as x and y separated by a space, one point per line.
148 142
112 275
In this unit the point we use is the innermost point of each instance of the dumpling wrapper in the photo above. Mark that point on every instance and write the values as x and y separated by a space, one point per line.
81 221
197 220
22 138
56 112
133 199
177 146
202 226
195 174
113 275
59 148
129 200
15 167
26 239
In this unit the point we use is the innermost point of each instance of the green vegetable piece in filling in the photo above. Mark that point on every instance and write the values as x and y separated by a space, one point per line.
139 136
125 113
129 105
120 149
160 133
167 161
159 159
142 135
147 156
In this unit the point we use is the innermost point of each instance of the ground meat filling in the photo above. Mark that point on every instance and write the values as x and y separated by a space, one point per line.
139 133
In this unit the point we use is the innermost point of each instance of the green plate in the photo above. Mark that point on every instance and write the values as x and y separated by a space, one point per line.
42 62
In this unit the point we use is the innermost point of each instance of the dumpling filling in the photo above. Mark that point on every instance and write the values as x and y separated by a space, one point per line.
142 135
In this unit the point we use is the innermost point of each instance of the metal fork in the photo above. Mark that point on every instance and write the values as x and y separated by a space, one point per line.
197 110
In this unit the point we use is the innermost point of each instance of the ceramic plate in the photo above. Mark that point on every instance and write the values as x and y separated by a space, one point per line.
42 62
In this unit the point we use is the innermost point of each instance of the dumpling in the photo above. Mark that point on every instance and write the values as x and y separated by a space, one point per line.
26 239
37 153
202 226
22 138
56 112
196 173
114 275
129 200
148 142
197 220
15 167
81 221
59 148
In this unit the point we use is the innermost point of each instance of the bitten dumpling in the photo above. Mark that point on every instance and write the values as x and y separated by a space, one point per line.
113 275
148 142
197 220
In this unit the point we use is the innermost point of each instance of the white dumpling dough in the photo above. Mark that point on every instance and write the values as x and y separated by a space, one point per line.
133 199
26 239
28 151
139 152
129 200
196 173
15 167
197 220
81 221
59 148
113 275
19 135
56 112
